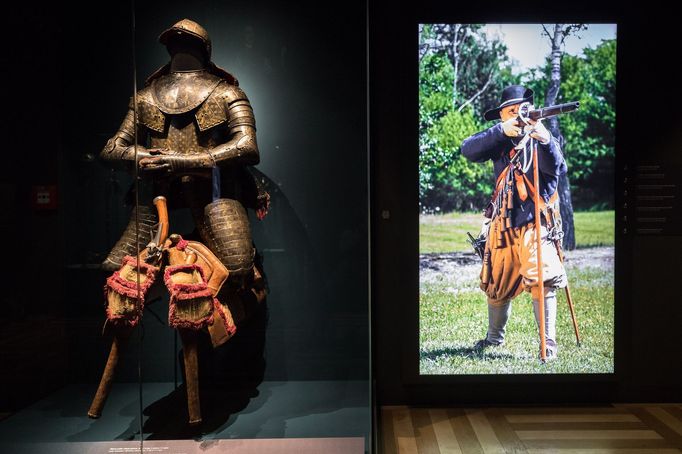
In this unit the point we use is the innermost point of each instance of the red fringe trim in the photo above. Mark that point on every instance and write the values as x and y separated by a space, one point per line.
263 208
182 244
124 287
187 268
176 322
231 329
181 292
124 320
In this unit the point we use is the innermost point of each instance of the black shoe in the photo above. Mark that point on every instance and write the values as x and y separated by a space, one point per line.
485 343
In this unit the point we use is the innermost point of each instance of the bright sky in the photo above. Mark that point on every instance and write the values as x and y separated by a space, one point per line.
529 48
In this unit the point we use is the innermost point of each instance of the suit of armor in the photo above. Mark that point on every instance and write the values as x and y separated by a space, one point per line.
192 132
192 125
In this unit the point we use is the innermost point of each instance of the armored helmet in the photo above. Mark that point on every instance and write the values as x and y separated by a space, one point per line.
187 27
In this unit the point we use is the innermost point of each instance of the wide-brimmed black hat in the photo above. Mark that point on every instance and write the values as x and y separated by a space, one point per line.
513 94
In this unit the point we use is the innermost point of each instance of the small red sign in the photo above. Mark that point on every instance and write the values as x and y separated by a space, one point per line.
45 197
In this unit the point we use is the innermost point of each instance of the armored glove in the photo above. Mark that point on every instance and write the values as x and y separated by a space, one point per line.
170 161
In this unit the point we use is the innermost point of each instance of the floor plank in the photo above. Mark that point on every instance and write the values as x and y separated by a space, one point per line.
626 429
404 432
654 423
666 418
670 435
588 435
563 410
423 432
387 433
578 417
464 432
675 411
605 451
547 445
579 426
643 404
484 432
447 440
505 433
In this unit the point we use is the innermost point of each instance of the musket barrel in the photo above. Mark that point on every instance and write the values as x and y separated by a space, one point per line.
551 111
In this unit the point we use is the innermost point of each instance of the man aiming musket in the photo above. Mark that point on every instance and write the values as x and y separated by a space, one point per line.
527 162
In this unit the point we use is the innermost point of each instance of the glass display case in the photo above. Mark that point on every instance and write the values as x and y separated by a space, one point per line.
289 367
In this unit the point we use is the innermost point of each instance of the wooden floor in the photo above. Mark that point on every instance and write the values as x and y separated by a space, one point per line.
624 429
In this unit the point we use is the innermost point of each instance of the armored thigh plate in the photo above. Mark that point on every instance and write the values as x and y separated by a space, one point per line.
225 230
127 245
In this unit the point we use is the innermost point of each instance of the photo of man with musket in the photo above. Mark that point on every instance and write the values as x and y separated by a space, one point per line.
511 260
516 198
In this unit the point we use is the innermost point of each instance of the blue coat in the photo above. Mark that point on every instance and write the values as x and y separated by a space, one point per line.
493 144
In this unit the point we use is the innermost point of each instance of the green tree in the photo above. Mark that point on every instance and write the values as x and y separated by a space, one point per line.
435 97
589 132
481 68
458 80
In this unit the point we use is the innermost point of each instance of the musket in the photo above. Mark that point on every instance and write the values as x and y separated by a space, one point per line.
478 244
528 113
547 112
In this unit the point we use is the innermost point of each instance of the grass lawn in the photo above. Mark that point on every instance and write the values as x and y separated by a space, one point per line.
452 319
447 232
594 228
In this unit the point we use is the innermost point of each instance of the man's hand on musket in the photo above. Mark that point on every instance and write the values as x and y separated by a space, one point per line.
511 127
539 132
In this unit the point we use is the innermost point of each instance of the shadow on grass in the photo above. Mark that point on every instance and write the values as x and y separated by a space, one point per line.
465 352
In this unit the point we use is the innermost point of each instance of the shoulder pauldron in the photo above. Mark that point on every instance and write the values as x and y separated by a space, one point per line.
212 112
175 94
148 114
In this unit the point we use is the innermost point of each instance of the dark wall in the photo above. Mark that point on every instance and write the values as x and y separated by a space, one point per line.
303 68
31 126
32 349
648 359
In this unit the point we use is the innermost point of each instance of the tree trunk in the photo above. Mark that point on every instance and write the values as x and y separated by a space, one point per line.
455 64
566 202
566 209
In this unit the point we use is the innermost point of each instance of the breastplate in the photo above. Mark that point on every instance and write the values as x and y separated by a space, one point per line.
181 114
183 135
